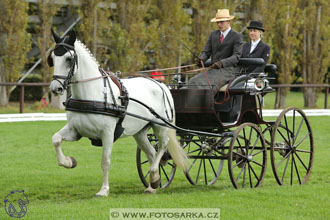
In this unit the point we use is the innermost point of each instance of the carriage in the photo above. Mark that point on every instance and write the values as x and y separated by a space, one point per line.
211 126
229 125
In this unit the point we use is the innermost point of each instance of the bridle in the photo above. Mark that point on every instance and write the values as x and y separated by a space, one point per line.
74 63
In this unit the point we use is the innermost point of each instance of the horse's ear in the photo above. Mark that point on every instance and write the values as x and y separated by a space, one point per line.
50 60
57 38
72 38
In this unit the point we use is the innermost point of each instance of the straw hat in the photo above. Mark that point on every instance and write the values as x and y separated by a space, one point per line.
222 15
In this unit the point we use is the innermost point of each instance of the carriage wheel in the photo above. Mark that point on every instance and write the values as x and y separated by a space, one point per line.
206 157
292 147
247 157
267 133
166 168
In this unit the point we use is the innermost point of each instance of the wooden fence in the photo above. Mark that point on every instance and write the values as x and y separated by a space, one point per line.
277 87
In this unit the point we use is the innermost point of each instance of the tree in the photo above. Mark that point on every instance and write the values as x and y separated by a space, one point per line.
129 35
315 54
15 42
46 12
88 10
285 40
173 30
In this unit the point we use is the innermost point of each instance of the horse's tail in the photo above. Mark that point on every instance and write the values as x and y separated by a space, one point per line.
178 154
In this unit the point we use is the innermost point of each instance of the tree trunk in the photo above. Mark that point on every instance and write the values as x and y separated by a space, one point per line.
310 97
283 94
3 91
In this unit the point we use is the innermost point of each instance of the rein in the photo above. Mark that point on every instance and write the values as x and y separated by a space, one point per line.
163 69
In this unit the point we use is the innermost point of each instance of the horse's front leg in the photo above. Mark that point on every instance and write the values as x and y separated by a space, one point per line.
107 143
68 134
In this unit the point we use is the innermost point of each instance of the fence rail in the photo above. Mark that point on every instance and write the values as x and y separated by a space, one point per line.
278 88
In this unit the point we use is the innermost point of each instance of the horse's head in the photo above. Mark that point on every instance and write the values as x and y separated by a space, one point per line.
64 60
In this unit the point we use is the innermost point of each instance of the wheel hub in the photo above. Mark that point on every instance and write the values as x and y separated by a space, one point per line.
282 148
207 149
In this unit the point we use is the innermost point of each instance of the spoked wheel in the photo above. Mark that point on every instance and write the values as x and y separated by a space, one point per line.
292 147
267 133
206 157
166 168
247 157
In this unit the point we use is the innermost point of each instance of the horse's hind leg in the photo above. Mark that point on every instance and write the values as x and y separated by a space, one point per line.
143 142
161 134
68 134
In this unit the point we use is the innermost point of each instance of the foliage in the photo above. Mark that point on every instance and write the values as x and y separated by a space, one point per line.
315 56
133 35
15 42
46 12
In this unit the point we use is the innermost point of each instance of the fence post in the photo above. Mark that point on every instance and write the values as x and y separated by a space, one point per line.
326 97
277 98
21 100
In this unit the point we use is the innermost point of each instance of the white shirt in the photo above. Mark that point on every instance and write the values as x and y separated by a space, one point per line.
225 33
254 44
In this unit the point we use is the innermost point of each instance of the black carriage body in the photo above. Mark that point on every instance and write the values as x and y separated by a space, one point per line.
201 109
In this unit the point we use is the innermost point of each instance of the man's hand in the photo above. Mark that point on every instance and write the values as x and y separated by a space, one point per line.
216 65
199 62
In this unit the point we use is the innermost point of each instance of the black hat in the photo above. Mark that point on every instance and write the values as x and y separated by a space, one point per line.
256 25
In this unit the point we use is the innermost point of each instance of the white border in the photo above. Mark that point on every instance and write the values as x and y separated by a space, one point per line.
62 116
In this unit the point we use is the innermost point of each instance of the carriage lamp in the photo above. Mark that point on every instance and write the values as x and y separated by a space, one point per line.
259 84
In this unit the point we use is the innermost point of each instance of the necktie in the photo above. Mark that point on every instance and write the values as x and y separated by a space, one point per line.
221 38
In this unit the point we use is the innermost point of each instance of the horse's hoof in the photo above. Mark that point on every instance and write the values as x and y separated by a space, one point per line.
74 162
149 190
103 193
156 184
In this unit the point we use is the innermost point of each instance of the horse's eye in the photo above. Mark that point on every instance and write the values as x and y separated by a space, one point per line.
69 59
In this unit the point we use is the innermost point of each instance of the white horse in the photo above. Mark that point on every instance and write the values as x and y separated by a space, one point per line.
74 64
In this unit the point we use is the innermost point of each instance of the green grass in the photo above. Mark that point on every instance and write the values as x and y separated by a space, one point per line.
28 161
295 99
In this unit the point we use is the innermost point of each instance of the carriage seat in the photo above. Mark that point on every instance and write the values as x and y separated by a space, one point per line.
242 62
237 82
270 68
251 61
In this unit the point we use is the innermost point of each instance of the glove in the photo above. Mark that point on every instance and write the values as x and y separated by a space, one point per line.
216 65
199 62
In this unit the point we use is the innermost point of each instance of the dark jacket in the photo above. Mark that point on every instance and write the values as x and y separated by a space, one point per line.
262 50
228 52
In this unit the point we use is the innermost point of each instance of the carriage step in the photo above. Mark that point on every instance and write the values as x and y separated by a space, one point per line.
225 124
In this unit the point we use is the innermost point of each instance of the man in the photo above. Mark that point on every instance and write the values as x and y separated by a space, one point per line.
224 46
256 48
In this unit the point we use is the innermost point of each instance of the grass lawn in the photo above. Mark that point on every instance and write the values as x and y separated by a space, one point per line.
28 162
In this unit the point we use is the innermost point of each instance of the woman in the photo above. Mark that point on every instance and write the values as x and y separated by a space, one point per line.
255 48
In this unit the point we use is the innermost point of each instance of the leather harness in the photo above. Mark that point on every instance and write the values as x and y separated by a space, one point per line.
104 108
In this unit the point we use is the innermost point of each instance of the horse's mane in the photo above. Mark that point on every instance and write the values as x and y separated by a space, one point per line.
83 47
